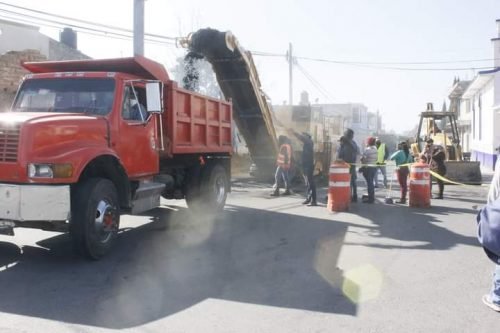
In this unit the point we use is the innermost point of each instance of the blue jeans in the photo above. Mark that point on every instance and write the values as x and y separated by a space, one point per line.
354 186
384 174
311 185
281 174
369 174
495 290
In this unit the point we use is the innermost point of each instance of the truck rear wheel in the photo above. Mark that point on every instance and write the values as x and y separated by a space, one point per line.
214 187
211 194
95 217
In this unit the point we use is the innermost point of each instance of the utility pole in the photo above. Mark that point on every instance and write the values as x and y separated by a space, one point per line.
290 74
139 27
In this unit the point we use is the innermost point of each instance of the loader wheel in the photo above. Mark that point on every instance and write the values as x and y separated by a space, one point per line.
95 217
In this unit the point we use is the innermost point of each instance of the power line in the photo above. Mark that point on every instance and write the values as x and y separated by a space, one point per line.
395 63
315 83
379 65
92 26
5 14
105 30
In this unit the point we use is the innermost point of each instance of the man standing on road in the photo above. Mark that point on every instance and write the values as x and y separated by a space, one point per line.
369 158
348 152
382 156
492 299
308 167
436 156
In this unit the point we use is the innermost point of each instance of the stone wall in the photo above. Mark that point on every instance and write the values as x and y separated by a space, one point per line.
59 51
11 73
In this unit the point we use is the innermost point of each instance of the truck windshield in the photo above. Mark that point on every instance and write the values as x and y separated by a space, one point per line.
80 95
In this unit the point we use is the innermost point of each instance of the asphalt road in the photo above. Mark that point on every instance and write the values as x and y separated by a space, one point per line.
264 265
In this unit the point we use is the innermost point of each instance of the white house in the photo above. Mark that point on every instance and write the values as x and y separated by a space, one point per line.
480 107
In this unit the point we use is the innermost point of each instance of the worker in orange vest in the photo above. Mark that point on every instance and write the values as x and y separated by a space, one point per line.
283 162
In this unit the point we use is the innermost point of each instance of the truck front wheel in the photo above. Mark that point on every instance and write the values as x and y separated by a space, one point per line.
95 217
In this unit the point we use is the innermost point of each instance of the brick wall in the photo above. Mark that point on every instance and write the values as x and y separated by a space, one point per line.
11 73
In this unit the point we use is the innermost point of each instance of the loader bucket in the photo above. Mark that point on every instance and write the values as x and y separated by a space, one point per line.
465 172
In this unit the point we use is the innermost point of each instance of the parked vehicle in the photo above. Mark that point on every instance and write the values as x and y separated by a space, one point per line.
88 140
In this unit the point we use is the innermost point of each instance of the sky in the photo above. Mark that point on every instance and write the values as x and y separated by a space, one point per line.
368 31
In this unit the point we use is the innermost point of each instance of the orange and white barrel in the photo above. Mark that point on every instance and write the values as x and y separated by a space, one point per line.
339 187
420 185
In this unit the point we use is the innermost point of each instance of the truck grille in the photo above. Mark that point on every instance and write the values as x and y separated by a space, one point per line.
9 142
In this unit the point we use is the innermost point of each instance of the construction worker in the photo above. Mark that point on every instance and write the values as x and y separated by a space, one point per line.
435 157
283 163
348 152
369 158
308 167
402 157
382 156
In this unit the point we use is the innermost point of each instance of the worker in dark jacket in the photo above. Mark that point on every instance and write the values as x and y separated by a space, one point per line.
435 156
348 152
308 167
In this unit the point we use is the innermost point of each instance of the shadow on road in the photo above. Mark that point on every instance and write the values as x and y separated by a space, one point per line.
177 261
407 225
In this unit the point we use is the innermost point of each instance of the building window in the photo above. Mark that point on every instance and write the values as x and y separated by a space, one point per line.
356 115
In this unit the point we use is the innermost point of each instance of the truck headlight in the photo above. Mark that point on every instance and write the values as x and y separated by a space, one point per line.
36 170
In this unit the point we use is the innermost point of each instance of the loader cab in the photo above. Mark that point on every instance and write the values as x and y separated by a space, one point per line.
441 127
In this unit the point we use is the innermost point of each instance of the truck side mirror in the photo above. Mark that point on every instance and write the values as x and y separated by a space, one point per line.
153 97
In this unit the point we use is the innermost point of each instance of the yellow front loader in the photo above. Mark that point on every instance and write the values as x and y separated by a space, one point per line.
442 128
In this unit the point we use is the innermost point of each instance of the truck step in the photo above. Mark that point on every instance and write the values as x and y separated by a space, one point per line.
147 197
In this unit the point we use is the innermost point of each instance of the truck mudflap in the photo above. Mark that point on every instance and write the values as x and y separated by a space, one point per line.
20 203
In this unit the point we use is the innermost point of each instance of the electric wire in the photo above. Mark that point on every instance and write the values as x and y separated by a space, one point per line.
87 25
315 83
84 30
93 28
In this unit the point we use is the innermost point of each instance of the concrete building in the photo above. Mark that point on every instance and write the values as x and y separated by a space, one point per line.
22 42
480 106
355 116
327 122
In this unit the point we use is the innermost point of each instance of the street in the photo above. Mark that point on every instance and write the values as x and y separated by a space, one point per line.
264 265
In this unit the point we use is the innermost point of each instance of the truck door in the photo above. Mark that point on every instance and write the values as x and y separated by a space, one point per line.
136 143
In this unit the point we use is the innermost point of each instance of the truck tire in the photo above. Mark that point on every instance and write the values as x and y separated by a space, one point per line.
211 194
95 217
213 188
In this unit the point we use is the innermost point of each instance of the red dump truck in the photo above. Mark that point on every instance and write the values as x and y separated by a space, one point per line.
88 140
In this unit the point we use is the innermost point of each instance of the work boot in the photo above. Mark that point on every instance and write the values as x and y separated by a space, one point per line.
287 192
368 200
